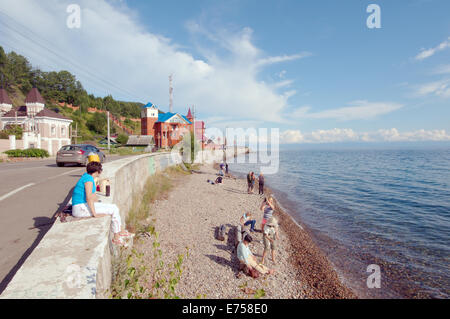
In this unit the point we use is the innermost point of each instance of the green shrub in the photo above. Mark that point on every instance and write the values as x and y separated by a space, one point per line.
122 139
31 152
12 130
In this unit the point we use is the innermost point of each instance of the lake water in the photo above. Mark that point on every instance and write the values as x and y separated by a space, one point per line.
390 208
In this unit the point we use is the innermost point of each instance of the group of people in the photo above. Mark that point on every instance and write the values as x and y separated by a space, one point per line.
269 228
251 178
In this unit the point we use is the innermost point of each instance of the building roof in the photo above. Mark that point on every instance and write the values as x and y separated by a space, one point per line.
189 115
149 105
21 111
140 140
4 98
34 97
167 116
50 113
112 140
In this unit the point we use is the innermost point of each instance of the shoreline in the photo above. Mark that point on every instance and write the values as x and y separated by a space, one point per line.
188 218
311 262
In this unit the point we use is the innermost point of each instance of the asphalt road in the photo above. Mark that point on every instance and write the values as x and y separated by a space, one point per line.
31 193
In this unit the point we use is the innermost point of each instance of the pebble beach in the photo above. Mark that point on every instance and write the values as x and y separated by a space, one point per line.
189 217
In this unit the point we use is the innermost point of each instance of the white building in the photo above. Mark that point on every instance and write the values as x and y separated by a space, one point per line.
43 128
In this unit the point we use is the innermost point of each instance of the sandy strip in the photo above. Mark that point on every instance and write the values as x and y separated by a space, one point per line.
189 217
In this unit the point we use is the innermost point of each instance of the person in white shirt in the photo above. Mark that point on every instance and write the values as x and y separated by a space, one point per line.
247 259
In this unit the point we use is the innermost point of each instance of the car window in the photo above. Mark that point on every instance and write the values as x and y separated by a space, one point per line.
69 148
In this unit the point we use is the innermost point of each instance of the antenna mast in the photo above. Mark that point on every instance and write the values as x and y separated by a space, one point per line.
170 94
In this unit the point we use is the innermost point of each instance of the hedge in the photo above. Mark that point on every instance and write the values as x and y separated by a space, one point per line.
31 152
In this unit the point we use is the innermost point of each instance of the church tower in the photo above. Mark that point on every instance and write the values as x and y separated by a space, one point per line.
34 102
189 115
149 116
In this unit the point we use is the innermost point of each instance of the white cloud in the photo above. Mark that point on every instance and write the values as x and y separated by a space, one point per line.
112 46
424 54
284 58
348 135
443 69
439 88
356 111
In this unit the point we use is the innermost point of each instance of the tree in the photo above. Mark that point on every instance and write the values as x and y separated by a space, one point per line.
98 123
122 139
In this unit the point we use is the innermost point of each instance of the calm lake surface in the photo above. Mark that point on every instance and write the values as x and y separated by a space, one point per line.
385 207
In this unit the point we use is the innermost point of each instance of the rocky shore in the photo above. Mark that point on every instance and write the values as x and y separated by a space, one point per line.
189 217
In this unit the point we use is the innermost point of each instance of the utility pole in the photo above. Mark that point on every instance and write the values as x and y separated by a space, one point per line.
74 135
170 93
109 146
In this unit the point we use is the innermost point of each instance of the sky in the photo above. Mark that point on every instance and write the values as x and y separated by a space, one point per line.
312 69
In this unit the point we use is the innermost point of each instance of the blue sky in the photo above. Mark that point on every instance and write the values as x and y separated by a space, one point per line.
312 68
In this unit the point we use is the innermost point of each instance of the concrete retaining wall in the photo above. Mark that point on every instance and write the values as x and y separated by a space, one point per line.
73 260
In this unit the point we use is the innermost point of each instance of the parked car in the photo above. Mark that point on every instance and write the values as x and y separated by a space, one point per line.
77 154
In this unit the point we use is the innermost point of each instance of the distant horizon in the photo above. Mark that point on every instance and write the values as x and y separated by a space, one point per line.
369 146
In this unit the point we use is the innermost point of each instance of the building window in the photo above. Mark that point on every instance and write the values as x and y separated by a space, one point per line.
63 131
53 130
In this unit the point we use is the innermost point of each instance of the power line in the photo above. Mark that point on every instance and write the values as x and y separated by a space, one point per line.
75 64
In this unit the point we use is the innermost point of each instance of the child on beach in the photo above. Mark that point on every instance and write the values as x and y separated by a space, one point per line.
267 207
248 261
246 220
270 237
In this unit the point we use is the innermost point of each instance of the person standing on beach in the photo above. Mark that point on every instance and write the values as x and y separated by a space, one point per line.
253 177
261 183
226 169
249 182
270 237
267 207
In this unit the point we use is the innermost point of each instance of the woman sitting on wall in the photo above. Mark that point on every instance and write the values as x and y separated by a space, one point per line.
84 202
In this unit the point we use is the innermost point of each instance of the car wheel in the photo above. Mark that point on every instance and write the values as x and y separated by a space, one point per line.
59 164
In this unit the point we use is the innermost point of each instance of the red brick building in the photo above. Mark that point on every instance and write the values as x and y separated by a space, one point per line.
168 128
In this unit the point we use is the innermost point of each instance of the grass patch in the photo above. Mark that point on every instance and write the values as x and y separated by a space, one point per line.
156 187
137 276
127 151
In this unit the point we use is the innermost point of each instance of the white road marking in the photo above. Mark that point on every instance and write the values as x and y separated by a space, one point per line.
32 184
66 173
16 191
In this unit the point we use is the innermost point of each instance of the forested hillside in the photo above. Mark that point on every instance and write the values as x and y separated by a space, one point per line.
18 76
